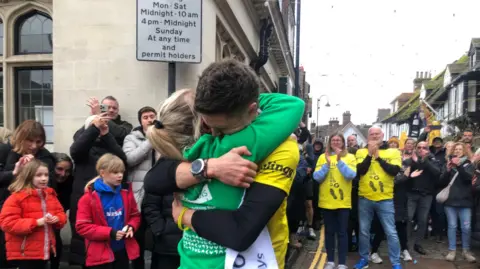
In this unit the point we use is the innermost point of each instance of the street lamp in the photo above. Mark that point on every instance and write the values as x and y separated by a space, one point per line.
318 111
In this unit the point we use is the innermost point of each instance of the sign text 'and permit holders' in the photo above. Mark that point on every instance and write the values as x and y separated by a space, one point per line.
169 30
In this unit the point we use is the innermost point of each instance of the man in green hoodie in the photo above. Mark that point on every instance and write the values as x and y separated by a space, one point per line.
222 216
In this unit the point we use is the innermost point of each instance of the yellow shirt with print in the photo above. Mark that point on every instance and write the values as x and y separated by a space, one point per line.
278 170
376 184
335 191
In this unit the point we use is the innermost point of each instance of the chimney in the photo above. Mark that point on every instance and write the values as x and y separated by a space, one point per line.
334 123
346 118
419 79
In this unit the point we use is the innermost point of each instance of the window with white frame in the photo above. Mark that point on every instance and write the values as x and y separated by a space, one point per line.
472 96
459 99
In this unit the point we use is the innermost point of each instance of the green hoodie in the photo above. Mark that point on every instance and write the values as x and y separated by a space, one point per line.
279 118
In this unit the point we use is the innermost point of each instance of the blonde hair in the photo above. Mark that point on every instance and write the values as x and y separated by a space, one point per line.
466 152
448 151
5 135
24 180
27 130
180 125
109 163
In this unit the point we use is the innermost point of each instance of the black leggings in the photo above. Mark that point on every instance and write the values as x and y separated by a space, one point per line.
165 261
121 262
139 235
55 260
31 264
380 235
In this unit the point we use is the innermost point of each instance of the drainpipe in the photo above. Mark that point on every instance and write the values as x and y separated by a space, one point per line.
263 52
297 51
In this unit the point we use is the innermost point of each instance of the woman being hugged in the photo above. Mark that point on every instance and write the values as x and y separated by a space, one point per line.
107 217
334 172
30 215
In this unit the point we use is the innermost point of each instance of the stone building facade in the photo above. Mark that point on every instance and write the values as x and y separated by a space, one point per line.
57 53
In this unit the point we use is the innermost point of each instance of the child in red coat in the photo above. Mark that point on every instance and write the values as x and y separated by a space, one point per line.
30 215
107 217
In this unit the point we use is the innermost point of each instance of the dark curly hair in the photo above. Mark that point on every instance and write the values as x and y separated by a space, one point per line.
226 87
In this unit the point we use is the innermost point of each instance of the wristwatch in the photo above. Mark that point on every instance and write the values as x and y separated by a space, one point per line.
199 170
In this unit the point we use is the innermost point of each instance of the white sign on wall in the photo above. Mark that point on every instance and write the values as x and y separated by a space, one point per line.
169 30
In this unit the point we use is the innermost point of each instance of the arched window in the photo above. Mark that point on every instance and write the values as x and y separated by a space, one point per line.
33 34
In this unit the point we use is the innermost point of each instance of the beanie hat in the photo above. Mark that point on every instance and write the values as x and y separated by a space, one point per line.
143 110
438 138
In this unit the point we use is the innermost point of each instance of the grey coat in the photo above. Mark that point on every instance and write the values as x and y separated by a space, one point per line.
140 156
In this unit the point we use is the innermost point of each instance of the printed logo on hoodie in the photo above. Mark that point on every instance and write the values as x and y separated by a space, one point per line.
112 213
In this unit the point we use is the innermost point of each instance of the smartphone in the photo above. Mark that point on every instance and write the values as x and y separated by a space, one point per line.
450 157
103 108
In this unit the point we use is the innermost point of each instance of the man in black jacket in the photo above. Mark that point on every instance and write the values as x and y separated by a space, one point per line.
89 143
116 126
421 190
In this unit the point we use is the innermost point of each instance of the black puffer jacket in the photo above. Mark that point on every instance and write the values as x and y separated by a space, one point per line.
476 212
157 207
157 211
86 149
461 190
6 176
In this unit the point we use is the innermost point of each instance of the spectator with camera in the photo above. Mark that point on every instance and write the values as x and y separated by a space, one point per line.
116 126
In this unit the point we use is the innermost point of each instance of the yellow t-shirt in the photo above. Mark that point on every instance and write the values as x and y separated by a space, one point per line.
376 184
336 192
278 170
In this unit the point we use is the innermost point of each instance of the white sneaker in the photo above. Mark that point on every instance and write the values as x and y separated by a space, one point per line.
341 266
375 258
329 265
300 230
311 234
406 256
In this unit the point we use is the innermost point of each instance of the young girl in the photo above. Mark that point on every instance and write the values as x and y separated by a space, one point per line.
107 216
29 217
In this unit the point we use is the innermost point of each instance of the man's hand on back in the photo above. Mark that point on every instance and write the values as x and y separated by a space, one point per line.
232 169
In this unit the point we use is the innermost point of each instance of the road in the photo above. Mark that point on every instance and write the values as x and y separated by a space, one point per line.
313 256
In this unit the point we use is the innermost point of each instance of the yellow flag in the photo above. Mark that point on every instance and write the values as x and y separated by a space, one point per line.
403 138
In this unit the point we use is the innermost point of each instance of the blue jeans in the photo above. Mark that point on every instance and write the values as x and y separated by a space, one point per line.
465 215
385 211
336 224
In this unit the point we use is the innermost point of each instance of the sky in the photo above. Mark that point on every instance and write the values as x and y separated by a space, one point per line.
362 54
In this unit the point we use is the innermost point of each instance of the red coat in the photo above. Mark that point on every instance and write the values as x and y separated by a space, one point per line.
92 225
18 219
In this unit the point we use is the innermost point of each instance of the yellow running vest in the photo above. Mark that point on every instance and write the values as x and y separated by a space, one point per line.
376 184
336 192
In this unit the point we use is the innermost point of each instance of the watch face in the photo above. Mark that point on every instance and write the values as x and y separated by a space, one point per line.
197 166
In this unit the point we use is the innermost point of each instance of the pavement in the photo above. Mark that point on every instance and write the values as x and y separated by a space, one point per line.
313 256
